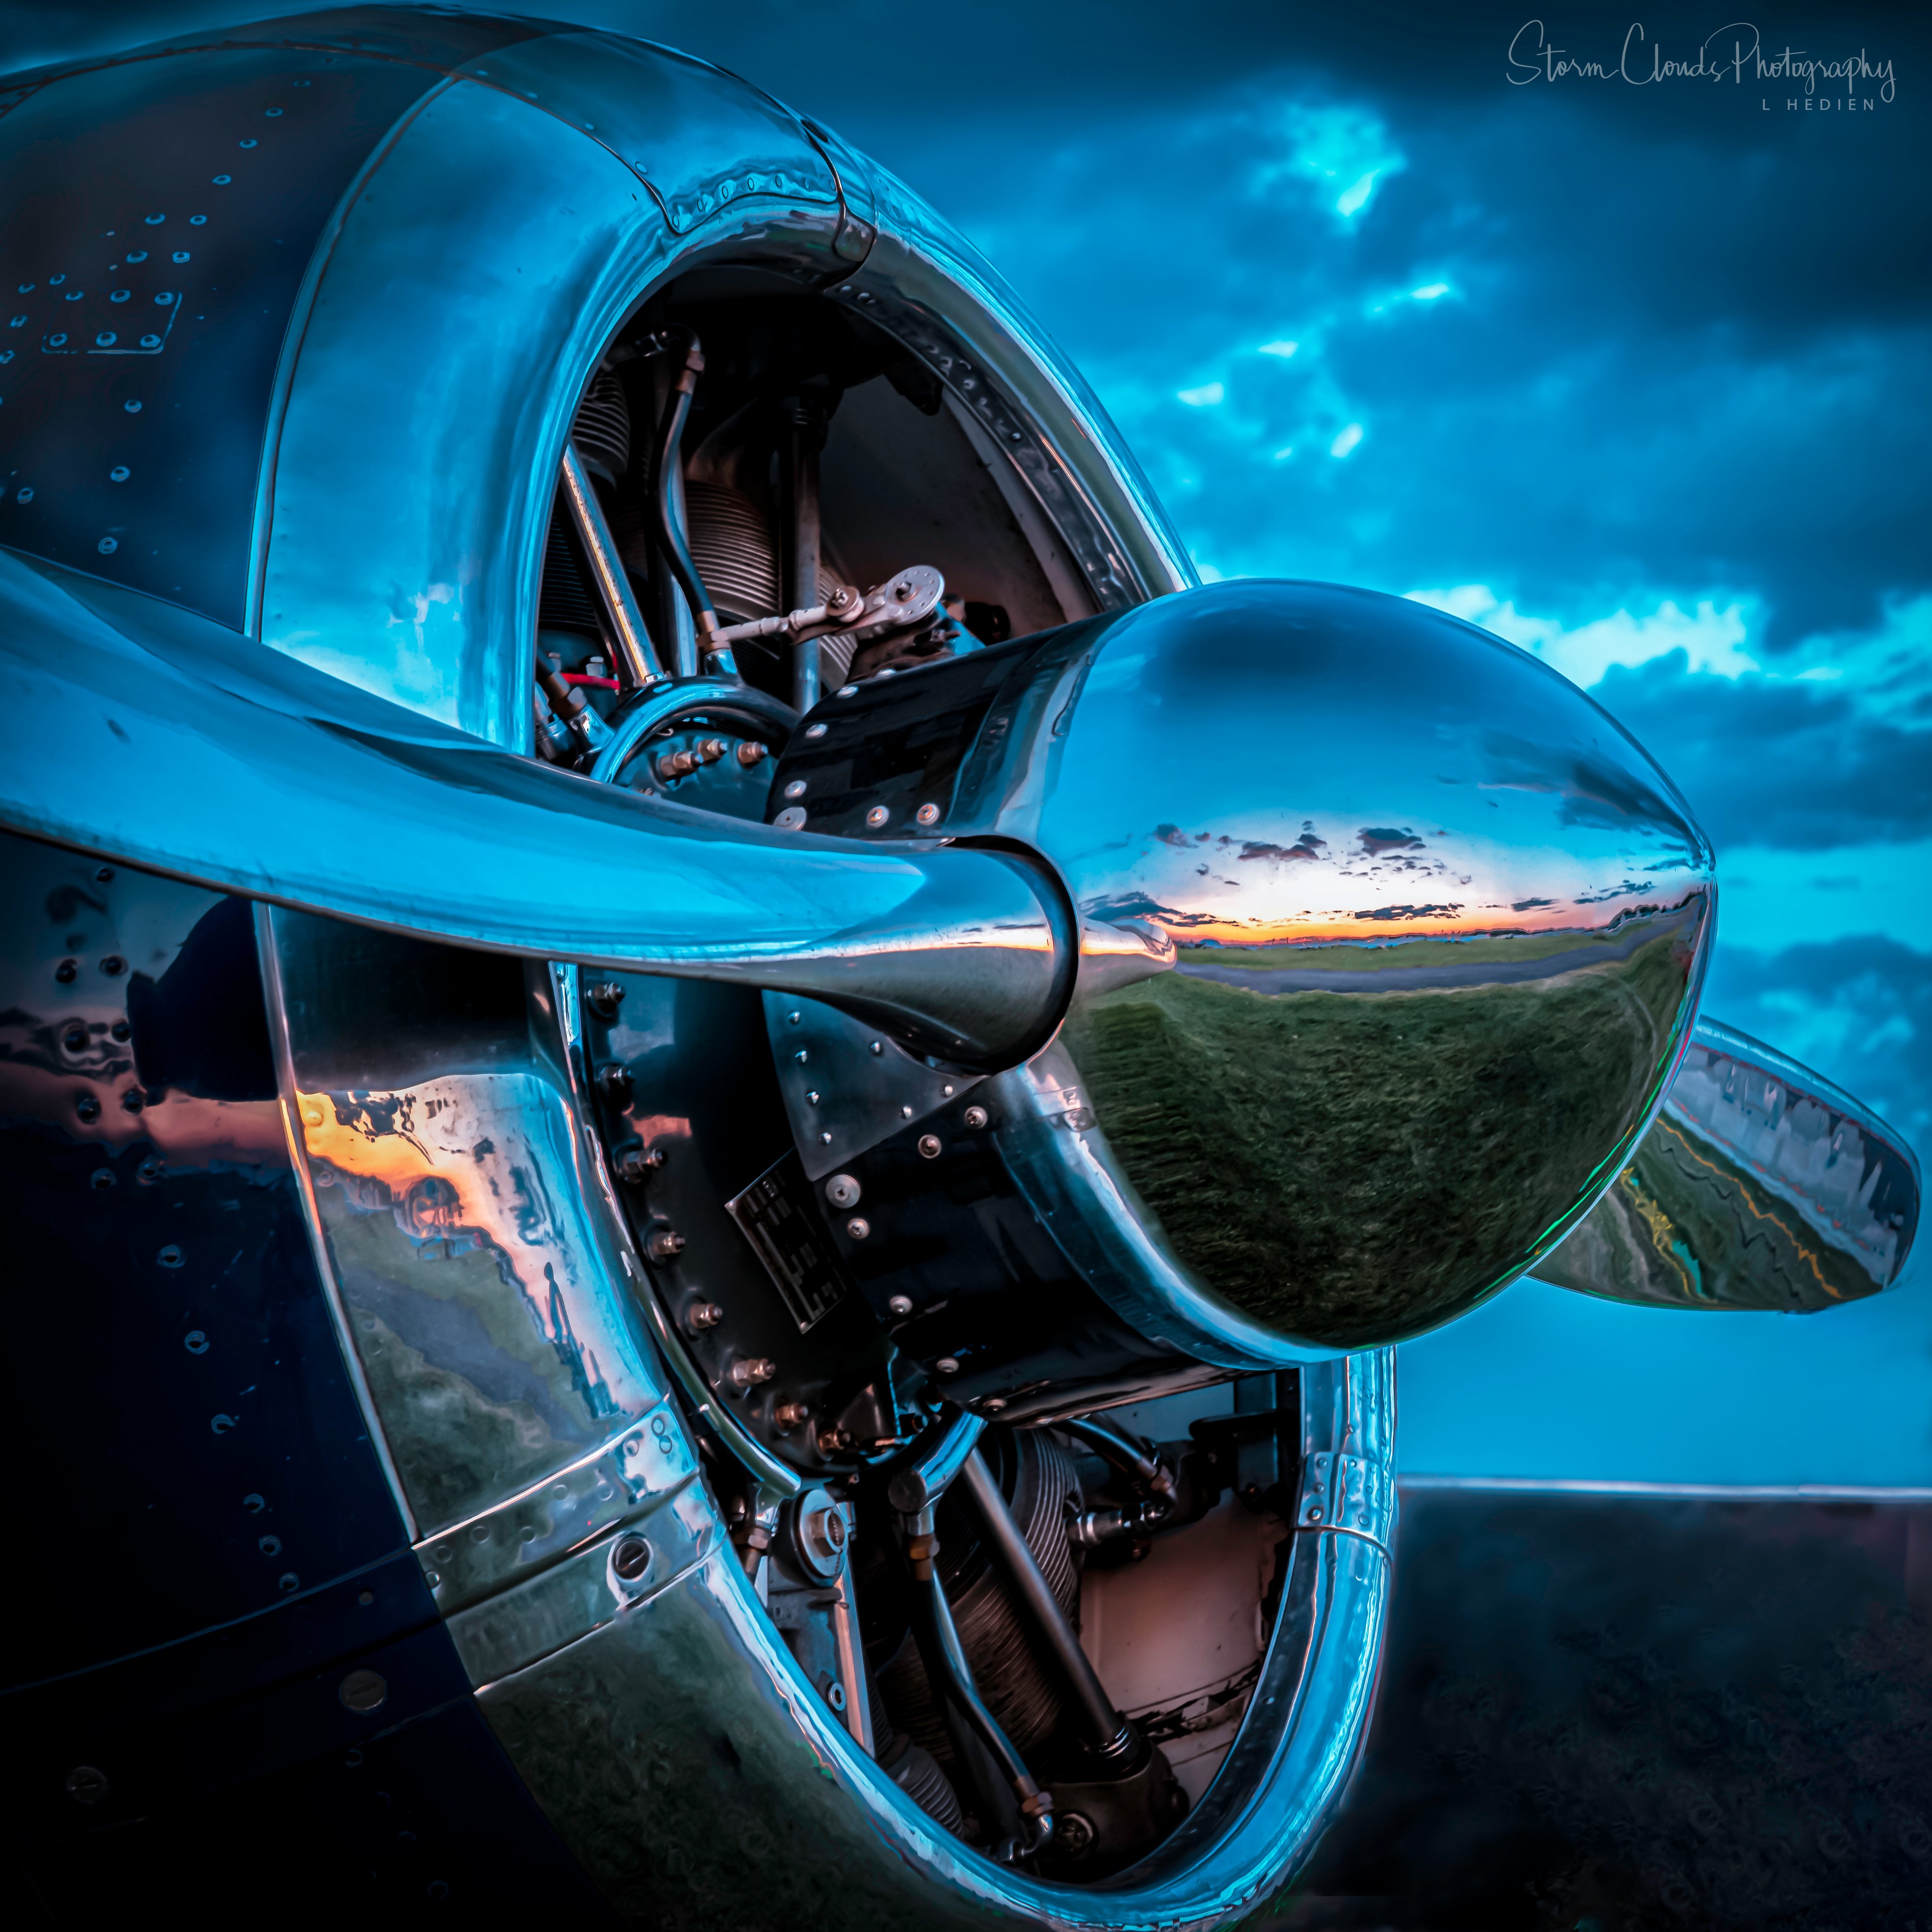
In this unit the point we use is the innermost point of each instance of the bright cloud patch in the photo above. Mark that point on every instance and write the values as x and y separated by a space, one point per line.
1346 441
1283 348
1346 151
1205 397
1711 640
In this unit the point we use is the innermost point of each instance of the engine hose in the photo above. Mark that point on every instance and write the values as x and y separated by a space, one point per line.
1130 1458
671 537
946 1666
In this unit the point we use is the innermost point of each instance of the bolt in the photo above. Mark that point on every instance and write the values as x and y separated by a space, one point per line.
976 1117
614 1082
1073 1835
750 753
927 815
901 1304
842 1190
930 1147
705 1315
903 592
789 1415
634 1164
877 816
711 751
748 1371
630 1558
858 1227
676 764
664 1243
604 998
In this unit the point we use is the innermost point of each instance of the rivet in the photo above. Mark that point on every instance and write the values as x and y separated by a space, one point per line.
796 789
87 1108
195 1341
927 815
812 1096
85 1785
847 690
113 965
815 730
794 1019
876 1046
905 1113
900 1304
65 971
878 815
825 1140
947 1365
101 1177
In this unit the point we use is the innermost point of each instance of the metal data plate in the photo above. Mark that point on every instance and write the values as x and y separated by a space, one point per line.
847 1087
778 1219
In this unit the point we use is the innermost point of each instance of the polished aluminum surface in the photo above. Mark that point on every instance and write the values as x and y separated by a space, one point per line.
1760 1186
183 748
1440 927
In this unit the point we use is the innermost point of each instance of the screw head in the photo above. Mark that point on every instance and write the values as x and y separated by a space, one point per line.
927 815
858 1228
815 730
792 819
901 1304
976 1117
796 789
363 1691
87 1785
630 1558
65 971
879 815
842 1191
947 1365
930 1147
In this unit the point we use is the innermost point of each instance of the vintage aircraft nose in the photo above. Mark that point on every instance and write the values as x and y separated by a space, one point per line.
1439 927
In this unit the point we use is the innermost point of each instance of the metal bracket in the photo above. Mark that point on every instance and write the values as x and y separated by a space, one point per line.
1352 1493
847 1087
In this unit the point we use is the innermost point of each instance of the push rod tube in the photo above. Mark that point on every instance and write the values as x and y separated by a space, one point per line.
945 1659
803 433
632 640
1113 1739
667 469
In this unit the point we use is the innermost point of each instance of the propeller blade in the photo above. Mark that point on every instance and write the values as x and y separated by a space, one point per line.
143 733
1759 1186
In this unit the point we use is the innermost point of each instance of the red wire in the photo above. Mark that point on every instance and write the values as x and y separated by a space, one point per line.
602 683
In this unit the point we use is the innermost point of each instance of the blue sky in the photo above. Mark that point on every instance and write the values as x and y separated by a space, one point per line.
1637 376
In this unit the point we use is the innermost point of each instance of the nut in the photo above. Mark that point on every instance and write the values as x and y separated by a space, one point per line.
749 1371
604 998
664 1243
705 1315
789 1415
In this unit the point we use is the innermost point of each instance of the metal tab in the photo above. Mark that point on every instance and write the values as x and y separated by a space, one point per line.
645 1467
847 1087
